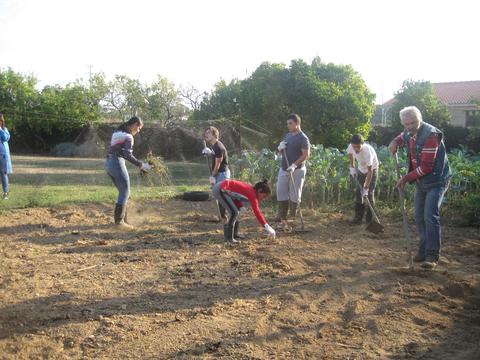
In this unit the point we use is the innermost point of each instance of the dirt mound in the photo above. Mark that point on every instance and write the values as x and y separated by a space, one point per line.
74 286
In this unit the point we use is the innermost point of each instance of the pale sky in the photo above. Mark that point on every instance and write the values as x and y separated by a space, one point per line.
198 42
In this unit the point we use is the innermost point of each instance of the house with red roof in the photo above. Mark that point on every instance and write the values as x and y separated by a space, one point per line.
460 99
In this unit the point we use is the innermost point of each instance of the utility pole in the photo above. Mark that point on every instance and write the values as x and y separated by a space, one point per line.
90 72
238 123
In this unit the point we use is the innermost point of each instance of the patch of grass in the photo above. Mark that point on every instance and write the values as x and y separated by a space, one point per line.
54 182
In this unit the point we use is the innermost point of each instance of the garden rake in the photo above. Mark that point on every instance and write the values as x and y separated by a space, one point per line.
408 238
373 226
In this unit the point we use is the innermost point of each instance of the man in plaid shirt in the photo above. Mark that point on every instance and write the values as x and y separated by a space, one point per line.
430 170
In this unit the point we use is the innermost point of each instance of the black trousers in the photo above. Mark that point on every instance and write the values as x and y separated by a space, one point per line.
371 191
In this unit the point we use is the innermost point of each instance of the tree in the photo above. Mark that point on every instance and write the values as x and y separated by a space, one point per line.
332 100
192 96
422 95
124 97
163 102
222 102
18 96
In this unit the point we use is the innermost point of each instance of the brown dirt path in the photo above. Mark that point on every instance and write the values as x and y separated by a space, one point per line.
73 286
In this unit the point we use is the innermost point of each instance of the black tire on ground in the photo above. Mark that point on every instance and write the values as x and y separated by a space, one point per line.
196 196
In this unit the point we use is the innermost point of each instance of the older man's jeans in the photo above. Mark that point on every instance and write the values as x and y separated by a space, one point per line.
427 218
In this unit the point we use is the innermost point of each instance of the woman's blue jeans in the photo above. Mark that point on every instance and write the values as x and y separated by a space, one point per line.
427 219
117 170
225 175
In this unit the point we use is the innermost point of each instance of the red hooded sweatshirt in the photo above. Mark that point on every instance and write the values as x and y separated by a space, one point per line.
247 191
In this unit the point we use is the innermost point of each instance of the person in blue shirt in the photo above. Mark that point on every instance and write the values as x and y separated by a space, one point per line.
5 159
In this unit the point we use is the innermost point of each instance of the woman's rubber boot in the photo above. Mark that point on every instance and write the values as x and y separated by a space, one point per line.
119 216
228 234
236 235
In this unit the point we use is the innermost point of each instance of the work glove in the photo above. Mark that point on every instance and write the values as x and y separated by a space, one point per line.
270 231
242 209
282 146
146 167
292 168
353 172
207 151
212 180
364 192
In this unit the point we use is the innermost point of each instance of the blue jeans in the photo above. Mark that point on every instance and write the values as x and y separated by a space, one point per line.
4 175
116 169
5 185
427 219
226 202
222 176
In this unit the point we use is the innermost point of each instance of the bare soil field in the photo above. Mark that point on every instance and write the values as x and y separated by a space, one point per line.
72 286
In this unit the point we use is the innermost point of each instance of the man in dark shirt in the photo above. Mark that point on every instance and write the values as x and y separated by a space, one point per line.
219 165
295 150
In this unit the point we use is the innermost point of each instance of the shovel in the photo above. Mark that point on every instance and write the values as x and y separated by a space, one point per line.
373 226
408 238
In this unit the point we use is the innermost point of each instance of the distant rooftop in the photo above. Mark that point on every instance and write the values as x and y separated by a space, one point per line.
454 93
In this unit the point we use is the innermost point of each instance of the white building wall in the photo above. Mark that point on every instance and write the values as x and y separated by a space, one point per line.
458 116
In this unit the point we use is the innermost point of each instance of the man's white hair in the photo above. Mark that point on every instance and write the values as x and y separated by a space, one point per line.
412 113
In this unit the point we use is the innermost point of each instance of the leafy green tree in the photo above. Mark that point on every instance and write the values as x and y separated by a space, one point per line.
222 102
422 95
124 97
332 100
163 102
18 96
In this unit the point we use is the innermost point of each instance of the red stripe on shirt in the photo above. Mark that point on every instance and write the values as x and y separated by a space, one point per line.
427 157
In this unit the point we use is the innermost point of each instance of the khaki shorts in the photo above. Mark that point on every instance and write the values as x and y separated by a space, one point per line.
285 188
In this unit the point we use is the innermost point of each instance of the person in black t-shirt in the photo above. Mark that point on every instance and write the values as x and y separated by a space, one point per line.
219 165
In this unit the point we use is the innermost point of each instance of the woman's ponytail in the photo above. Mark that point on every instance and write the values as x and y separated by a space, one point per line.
263 187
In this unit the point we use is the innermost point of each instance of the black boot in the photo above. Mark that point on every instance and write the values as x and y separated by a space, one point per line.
282 211
359 210
228 234
236 228
119 216
293 209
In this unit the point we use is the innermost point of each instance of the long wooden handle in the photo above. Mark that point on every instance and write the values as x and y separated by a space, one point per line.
408 238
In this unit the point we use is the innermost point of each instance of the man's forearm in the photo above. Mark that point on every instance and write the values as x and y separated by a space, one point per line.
218 162
352 160
302 158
